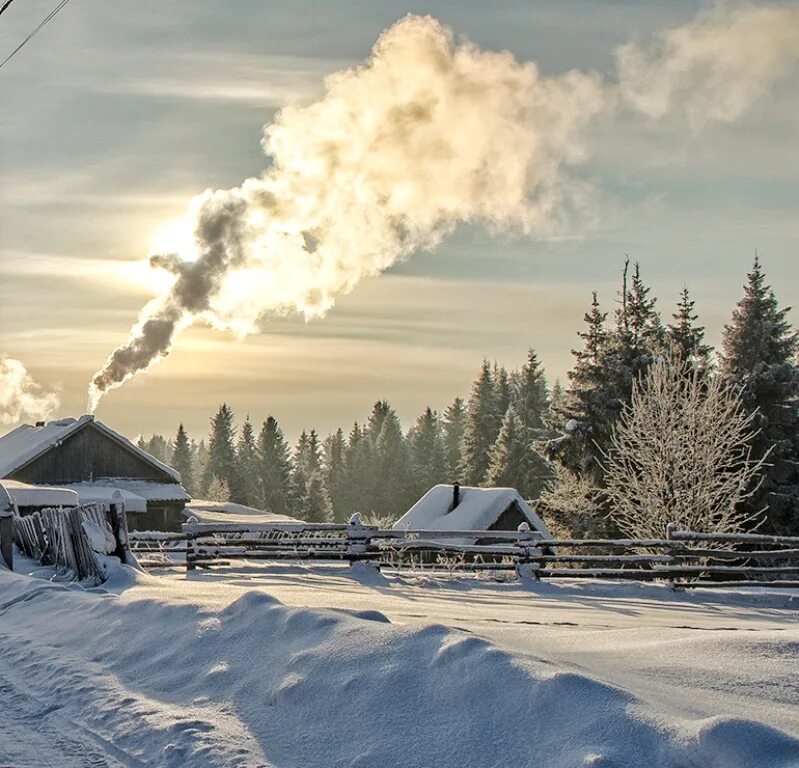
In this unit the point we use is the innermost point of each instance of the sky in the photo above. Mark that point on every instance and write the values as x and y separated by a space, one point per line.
115 115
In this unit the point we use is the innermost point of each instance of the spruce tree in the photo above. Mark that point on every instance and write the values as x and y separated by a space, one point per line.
301 471
221 452
274 468
182 460
357 472
454 425
759 333
482 427
429 464
333 473
686 337
313 505
392 494
502 391
759 357
249 490
585 411
509 454
530 403
584 414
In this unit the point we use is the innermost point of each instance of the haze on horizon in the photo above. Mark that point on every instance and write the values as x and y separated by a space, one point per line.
117 120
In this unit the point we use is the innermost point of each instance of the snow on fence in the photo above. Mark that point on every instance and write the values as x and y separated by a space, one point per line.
74 539
684 558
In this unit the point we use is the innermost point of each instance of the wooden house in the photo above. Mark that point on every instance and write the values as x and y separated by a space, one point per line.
90 458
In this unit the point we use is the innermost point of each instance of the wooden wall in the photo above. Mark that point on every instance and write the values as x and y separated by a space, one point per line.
87 455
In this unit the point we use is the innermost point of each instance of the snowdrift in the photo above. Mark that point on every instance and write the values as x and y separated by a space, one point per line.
260 684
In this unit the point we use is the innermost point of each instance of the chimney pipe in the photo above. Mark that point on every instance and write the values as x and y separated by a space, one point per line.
39 423
456 494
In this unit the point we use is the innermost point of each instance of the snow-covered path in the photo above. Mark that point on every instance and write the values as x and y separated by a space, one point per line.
215 671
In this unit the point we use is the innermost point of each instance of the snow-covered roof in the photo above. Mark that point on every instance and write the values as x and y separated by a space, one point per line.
228 512
24 495
477 510
94 493
27 442
146 489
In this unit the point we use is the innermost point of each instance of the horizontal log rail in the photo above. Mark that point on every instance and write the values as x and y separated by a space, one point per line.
682 558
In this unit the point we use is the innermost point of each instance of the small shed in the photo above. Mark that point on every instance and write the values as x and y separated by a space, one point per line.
89 458
463 508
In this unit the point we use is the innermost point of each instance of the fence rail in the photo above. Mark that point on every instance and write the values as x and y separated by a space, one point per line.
683 558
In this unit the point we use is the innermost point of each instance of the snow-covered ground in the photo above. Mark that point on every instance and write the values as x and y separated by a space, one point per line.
326 666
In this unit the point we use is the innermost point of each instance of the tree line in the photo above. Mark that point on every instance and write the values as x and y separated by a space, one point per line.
554 444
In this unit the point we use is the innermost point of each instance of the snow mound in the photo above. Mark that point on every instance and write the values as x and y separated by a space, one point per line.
258 683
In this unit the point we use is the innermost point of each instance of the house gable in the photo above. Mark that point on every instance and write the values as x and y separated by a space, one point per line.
87 454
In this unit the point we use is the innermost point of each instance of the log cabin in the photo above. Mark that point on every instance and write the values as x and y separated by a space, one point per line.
93 460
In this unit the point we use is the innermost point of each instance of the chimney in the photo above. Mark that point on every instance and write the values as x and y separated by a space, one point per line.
39 423
456 495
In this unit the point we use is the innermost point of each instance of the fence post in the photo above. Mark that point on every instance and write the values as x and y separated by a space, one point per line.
358 536
524 568
670 530
6 528
191 547
119 527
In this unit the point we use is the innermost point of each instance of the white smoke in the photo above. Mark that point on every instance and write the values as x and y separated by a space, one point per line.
426 133
713 68
20 396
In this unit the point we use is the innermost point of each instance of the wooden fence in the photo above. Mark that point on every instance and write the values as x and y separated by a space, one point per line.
58 537
684 558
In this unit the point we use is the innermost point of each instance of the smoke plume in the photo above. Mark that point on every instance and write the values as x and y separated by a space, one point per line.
713 68
425 134
428 132
20 396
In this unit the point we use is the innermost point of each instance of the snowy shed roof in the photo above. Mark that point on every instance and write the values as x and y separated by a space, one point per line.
24 495
477 510
97 493
27 442
136 493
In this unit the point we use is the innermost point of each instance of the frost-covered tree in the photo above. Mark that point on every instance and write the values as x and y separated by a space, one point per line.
274 468
571 506
218 490
182 460
758 358
681 452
